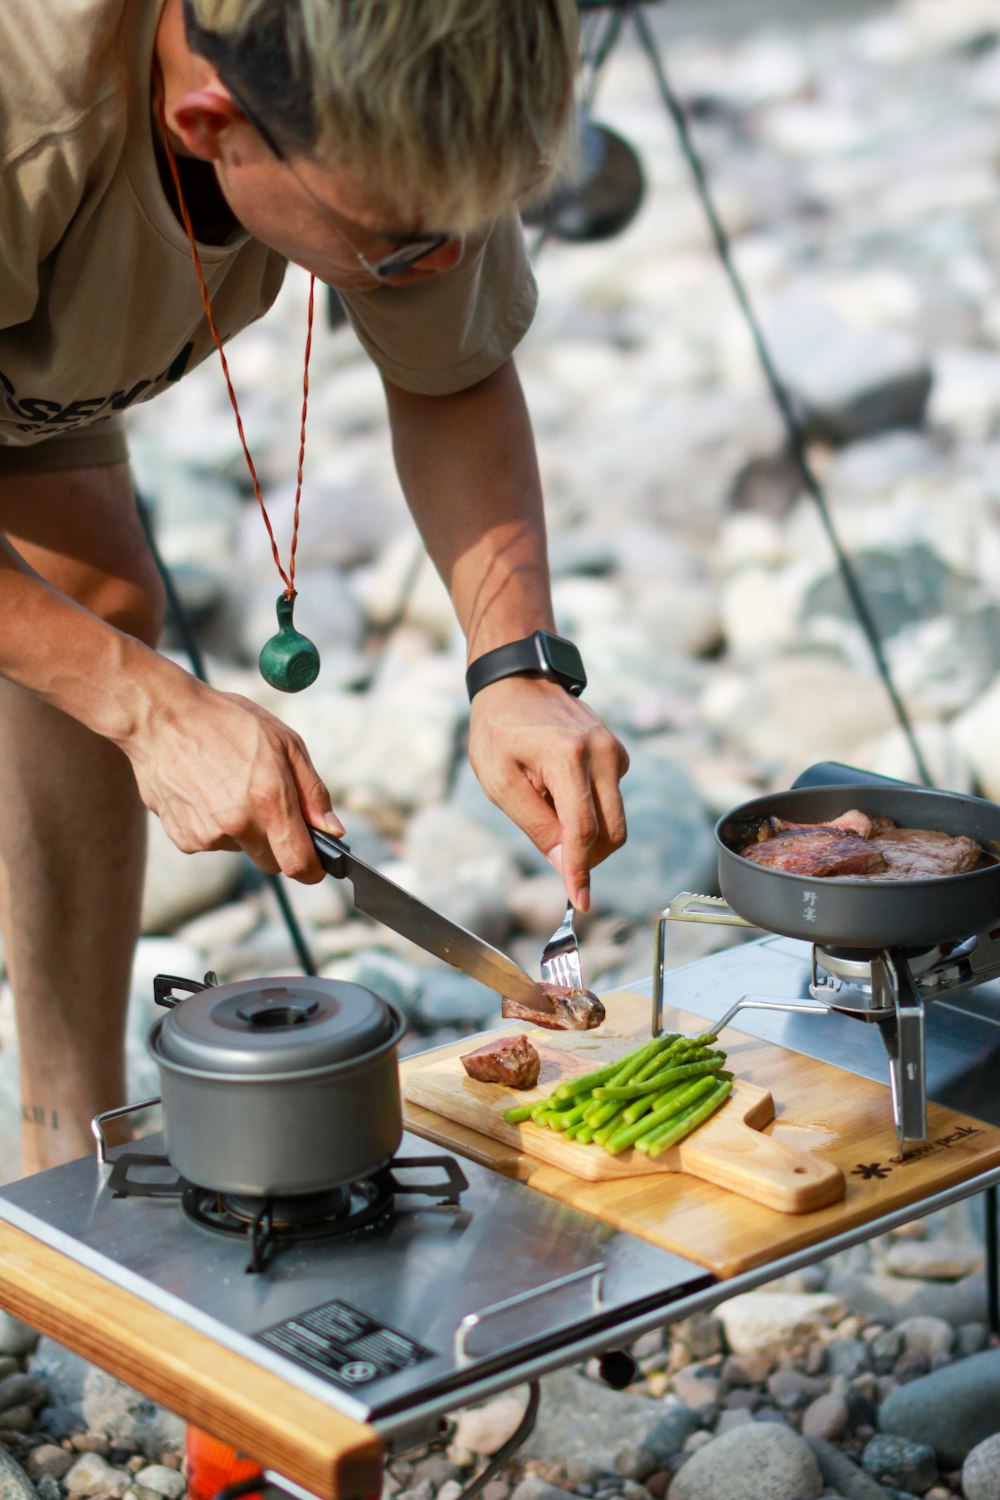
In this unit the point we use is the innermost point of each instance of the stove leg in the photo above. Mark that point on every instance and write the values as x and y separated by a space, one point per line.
992 1259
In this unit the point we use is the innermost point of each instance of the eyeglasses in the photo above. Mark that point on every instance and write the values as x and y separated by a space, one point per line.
402 258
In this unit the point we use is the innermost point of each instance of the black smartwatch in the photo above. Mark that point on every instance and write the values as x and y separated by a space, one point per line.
542 654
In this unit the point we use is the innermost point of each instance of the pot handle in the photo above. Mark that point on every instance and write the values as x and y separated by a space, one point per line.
165 984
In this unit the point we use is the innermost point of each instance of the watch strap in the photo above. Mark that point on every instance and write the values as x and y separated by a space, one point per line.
542 654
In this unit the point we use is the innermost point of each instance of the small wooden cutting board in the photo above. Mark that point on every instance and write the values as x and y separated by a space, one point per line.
727 1149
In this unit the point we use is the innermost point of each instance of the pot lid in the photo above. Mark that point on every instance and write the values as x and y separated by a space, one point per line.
263 1026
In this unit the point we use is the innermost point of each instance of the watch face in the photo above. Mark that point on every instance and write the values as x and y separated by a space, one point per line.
563 659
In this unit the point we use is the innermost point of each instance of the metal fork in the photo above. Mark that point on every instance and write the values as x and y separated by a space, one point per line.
561 956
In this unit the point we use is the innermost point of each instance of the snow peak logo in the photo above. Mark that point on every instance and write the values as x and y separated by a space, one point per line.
39 414
867 1170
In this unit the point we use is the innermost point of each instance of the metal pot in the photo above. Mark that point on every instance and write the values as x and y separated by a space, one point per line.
851 912
277 1086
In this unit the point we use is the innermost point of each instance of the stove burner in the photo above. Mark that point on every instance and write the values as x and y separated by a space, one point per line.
286 1213
854 965
268 1223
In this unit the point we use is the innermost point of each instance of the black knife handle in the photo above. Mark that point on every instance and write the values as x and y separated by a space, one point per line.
332 853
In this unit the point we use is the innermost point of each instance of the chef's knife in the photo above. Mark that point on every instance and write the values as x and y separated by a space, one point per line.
437 934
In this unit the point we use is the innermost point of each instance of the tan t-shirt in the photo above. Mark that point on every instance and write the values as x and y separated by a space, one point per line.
99 303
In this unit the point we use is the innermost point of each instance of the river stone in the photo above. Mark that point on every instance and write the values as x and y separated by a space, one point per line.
981 1471
93 1475
849 381
843 1474
585 1419
162 1481
21 1390
926 1335
826 1417
757 1320
484 1429
668 1434
935 1260
16 1338
951 1409
51 1459
748 1462
62 1373
14 1482
114 1408
899 1462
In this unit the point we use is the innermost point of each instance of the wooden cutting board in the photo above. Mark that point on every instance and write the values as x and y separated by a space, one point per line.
835 1116
728 1149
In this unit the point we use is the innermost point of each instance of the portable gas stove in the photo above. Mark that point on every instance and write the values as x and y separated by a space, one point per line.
889 988
399 1298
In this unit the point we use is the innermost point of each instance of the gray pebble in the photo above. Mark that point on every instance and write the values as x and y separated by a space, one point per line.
17 1419
49 1458
667 1436
749 1463
848 1357
826 1417
16 1338
49 1488
899 1462
21 1390
162 1481
981 1471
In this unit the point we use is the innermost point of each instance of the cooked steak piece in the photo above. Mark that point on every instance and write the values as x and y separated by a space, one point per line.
920 853
852 821
856 844
817 851
573 1010
510 1059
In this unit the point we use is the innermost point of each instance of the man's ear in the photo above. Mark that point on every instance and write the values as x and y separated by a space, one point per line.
203 118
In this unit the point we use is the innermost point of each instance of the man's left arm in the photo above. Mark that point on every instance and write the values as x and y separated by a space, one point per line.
467 465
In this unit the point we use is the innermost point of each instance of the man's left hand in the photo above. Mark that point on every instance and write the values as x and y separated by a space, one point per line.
546 759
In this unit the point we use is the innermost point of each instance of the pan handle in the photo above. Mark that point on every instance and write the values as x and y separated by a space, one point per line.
836 773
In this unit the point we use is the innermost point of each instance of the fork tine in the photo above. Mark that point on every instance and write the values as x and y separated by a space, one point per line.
560 962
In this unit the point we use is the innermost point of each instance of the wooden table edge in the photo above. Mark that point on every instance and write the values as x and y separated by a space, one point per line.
282 1428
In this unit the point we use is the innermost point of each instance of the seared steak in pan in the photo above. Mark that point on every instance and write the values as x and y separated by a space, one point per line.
817 851
868 848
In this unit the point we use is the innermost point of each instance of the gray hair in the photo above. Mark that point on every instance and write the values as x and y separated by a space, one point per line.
451 109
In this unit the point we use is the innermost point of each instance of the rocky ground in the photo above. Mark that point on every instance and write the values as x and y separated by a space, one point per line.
854 161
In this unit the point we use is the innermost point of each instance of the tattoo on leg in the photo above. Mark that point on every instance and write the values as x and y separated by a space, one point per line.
37 1114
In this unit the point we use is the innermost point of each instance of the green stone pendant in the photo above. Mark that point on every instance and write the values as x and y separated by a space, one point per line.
288 661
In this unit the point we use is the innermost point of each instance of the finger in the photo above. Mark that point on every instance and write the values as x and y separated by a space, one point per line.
315 808
569 789
609 763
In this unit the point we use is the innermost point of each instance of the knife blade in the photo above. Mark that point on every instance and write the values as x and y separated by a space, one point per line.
392 906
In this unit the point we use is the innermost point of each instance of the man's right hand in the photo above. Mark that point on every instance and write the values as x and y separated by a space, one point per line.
222 773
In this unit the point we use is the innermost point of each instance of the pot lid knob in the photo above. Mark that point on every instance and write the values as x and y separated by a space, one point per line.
269 1014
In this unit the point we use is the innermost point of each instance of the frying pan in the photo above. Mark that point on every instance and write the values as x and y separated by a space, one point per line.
851 912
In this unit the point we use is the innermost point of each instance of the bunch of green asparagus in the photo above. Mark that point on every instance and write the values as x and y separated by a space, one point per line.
650 1099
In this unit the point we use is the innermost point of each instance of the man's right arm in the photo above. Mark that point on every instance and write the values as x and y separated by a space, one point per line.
220 772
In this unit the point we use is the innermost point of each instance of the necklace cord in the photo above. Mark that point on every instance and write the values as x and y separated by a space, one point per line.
288 579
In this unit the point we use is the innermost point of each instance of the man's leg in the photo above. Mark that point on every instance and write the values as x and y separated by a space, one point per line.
71 822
